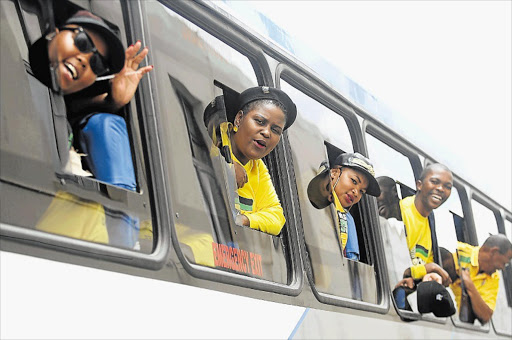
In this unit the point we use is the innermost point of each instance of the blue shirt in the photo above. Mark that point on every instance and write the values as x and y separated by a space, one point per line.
352 247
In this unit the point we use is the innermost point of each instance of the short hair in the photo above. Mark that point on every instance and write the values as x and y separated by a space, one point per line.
254 104
386 182
445 254
431 167
500 241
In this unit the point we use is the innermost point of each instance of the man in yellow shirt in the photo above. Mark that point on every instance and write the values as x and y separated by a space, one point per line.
480 267
432 190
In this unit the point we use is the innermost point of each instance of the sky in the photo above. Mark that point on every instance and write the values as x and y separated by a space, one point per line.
444 66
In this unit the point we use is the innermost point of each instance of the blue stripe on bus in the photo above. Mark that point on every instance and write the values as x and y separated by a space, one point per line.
298 324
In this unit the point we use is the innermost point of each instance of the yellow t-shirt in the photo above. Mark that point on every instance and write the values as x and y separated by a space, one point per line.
486 285
258 199
419 239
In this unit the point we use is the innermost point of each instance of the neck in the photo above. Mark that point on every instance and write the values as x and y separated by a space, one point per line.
424 211
240 156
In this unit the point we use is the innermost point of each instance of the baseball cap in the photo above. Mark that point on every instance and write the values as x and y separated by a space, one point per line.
352 160
38 51
318 198
432 297
236 101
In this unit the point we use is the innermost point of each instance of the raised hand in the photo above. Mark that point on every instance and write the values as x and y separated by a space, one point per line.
124 84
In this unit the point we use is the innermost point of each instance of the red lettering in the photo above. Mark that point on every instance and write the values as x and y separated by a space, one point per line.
215 248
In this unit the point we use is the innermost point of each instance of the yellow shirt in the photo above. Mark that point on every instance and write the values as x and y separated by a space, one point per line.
419 239
258 199
486 285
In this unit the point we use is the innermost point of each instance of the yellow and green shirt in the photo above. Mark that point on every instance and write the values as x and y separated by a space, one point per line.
486 285
258 199
341 218
419 239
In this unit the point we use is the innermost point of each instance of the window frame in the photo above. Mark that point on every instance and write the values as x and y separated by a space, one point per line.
396 142
237 38
500 226
332 100
35 239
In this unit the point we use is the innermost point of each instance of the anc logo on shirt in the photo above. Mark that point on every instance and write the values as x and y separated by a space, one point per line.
419 254
245 203
342 220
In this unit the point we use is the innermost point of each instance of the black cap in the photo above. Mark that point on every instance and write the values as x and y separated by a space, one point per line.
38 51
236 101
351 160
434 298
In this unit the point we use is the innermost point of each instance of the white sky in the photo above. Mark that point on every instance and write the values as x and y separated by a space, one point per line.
445 65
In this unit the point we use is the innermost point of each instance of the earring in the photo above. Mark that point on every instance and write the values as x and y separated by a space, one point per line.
235 128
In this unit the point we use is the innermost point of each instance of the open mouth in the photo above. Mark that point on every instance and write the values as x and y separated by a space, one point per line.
72 70
261 143
437 198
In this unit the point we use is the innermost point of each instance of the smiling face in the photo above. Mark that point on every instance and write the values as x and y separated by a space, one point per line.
497 260
351 186
74 72
259 131
433 190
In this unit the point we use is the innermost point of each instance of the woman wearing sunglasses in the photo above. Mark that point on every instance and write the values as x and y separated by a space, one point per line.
72 57
70 60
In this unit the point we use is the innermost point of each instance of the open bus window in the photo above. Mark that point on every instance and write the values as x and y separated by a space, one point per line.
391 168
395 171
195 67
34 154
486 225
318 136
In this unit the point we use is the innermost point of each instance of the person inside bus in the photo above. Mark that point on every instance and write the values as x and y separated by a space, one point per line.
478 267
259 116
69 60
393 229
353 176
432 189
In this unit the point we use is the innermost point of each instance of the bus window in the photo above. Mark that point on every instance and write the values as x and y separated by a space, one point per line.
194 68
485 221
450 223
63 199
392 166
508 229
318 137
486 225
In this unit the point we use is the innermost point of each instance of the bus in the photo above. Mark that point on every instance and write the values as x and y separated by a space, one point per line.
186 269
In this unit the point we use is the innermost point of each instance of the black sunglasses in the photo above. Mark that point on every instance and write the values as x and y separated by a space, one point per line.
84 44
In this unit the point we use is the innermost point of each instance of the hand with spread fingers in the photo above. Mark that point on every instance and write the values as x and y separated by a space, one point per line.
124 84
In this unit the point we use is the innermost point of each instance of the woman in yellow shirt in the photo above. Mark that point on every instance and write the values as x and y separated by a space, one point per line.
259 117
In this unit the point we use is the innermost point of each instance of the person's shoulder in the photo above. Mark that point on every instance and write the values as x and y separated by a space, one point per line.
407 200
